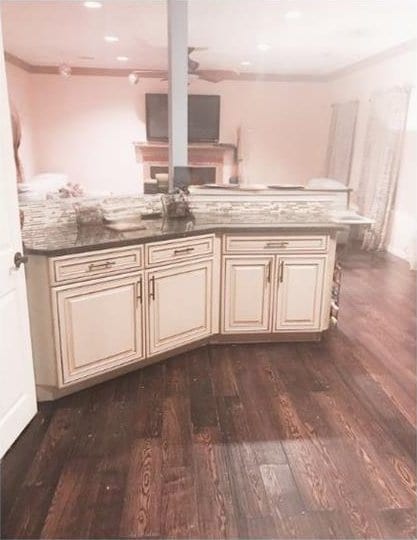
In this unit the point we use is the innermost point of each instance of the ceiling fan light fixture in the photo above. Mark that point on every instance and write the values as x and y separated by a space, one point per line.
193 77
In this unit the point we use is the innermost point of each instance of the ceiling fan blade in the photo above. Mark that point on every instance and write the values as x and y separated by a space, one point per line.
151 73
216 75
191 49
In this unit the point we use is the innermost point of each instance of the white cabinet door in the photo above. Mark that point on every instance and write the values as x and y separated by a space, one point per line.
17 382
179 305
247 294
299 293
99 326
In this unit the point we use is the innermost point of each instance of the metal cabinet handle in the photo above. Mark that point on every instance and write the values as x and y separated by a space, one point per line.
183 250
152 288
269 271
19 259
276 244
140 290
281 271
100 266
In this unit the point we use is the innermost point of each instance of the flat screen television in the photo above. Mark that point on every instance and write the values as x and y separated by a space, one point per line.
203 118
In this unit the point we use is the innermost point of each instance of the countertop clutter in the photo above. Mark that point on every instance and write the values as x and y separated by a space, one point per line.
72 238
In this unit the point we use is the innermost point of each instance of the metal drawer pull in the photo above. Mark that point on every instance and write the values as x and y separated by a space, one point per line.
281 271
101 266
152 288
276 244
183 250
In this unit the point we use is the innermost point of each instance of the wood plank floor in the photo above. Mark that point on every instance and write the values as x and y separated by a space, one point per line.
258 441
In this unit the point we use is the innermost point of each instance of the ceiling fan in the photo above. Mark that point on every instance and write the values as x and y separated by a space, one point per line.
209 75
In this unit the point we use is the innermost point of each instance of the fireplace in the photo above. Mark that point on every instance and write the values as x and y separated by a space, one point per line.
208 163
199 176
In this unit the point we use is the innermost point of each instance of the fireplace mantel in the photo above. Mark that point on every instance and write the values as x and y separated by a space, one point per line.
222 157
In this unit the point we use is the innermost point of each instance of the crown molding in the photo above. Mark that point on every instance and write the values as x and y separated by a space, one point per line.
245 76
18 62
154 74
407 46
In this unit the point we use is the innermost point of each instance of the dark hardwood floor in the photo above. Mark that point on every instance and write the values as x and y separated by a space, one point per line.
311 440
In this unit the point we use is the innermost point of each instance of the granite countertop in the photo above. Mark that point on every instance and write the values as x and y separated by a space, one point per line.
67 239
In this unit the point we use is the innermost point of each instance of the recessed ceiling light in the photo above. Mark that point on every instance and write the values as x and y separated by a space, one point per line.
111 39
264 47
293 14
123 58
245 63
93 5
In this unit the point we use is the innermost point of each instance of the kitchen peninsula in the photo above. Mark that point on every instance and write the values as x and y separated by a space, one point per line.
104 302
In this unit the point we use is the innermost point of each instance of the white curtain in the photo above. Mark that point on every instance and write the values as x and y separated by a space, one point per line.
341 139
381 162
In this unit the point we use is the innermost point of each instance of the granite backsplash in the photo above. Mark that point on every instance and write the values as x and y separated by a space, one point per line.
57 212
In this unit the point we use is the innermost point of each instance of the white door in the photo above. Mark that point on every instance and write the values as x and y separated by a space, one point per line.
100 326
17 383
179 305
299 294
247 294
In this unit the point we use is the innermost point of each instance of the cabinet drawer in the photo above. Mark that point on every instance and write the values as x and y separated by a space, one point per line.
179 250
275 244
101 263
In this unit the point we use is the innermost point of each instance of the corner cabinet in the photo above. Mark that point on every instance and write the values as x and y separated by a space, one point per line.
99 326
179 305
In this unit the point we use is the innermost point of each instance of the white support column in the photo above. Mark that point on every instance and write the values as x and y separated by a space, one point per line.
178 85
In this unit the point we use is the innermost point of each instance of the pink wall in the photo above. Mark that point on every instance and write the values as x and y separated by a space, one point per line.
361 84
285 127
85 126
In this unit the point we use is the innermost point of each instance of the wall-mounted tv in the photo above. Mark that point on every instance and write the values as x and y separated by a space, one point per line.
203 118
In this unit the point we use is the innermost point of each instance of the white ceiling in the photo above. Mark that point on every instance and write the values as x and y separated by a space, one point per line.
327 36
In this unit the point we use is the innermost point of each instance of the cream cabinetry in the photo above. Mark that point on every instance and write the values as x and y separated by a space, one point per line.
247 293
179 305
99 326
173 251
255 243
112 310
106 262
299 297
276 293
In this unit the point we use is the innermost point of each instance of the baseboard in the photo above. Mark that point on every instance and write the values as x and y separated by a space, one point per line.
51 393
400 253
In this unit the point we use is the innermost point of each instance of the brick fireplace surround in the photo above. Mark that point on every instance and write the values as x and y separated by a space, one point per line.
219 157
